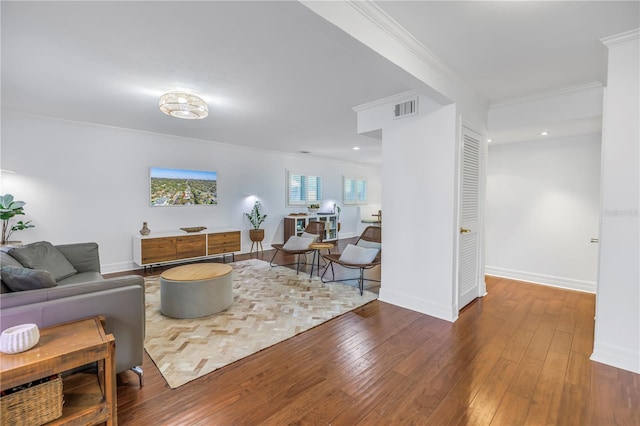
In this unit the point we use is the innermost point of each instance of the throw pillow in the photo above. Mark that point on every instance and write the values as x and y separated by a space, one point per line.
21 279
369 244
309 235
43 255
358 255
295 243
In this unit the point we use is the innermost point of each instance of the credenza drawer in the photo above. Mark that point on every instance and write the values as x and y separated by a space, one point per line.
156 250
191 246
224 242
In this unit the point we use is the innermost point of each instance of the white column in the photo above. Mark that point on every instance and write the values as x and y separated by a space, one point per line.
617 327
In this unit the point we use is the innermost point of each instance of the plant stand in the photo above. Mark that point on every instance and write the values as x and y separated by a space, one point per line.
256 236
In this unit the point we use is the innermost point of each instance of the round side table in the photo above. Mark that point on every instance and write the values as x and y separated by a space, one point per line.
316 254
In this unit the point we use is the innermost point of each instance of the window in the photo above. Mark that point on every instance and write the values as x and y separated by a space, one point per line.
354 191
303 189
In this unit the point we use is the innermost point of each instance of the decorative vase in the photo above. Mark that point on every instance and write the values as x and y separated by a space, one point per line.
19 338
145 229
256 235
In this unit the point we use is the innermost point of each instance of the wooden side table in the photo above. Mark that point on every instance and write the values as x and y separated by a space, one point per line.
316 254
64 347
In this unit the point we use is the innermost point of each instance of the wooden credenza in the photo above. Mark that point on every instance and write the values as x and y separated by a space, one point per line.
165 247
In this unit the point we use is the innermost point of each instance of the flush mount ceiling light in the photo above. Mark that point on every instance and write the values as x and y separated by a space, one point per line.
183 105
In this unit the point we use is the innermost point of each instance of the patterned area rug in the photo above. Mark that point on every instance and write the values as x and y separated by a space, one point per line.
270 305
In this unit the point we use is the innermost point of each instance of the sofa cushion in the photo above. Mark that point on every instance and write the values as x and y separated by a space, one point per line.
82 277
21 279
7 259
43 255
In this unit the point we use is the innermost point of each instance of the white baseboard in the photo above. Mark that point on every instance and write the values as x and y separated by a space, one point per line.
550 280
616 356
424 306
110 268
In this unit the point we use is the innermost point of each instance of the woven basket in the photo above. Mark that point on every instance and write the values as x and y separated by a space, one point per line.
34 405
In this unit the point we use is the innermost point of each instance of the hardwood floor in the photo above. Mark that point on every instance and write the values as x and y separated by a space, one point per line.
520 355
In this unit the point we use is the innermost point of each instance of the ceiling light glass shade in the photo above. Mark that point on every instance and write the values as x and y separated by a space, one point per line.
183 105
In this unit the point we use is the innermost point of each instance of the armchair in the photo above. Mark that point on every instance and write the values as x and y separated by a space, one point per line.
366 254
299 246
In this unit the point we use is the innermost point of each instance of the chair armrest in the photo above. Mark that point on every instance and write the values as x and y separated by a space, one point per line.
83 256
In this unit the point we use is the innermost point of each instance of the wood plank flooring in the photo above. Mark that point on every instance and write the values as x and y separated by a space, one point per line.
520 355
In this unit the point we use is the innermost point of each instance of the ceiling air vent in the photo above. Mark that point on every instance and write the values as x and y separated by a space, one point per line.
405 109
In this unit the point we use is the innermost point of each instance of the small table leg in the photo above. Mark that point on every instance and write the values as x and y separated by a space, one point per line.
313 262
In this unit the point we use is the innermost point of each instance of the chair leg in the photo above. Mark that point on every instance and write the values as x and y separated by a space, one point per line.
325 271
271 261
361 281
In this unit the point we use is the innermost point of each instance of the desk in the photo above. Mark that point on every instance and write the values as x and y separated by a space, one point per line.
62 348
316 254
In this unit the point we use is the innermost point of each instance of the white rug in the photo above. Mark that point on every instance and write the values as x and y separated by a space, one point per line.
270 305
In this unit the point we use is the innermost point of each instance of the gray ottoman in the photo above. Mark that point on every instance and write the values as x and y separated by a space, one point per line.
198 290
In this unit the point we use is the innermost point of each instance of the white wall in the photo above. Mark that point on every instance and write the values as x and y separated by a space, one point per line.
617 330
84 182
542 209
419 219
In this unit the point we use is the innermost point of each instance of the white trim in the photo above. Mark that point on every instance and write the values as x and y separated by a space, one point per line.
386 23
616 356
621 38
548 94
378 17
110 268
424 306
393 99
548 280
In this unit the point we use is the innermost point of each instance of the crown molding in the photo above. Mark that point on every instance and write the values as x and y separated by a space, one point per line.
393 99
549 94
621 38
374 14
386 23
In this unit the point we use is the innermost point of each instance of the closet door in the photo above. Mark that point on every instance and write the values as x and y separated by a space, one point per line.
469 279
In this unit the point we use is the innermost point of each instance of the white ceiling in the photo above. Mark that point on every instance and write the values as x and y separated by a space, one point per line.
276 75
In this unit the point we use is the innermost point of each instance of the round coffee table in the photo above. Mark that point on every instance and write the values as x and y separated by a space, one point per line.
197 290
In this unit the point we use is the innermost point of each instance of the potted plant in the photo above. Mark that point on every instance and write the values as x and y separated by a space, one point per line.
313 208
8 209
256 218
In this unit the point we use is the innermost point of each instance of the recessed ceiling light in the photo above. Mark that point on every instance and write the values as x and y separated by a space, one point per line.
489 140
355 148
545 133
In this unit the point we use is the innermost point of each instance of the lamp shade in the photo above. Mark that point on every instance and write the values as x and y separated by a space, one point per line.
183 105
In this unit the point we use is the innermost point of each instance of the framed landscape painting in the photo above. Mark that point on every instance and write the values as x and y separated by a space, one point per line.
181 187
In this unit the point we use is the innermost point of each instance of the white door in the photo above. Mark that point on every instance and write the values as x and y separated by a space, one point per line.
469 279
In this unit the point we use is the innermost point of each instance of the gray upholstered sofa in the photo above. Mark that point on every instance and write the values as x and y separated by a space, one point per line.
84 293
